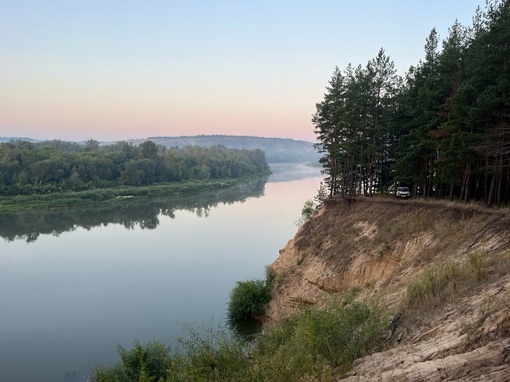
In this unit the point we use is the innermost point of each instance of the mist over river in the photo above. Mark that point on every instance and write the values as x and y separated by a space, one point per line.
75 283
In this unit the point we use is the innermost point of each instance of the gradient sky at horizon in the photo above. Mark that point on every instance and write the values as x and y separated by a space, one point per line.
115 70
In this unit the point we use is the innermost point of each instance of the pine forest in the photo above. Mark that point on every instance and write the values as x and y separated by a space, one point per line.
443 129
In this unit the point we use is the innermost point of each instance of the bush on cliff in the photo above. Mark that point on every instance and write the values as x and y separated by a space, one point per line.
248 300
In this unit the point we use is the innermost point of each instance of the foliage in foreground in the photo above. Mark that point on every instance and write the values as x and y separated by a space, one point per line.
314 345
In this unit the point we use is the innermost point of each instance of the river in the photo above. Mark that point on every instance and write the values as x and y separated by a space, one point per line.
75 283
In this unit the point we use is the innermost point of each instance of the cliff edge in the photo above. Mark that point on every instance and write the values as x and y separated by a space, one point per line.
441 270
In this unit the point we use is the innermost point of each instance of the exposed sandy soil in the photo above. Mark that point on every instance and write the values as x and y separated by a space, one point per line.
380 246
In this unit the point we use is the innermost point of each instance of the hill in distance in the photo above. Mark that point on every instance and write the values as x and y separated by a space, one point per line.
278 150
7 139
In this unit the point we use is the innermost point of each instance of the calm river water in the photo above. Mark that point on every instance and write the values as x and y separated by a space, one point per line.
76 283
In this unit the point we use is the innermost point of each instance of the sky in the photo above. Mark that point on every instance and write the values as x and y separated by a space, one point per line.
123 69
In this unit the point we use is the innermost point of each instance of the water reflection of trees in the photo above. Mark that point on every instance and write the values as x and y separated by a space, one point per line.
28 225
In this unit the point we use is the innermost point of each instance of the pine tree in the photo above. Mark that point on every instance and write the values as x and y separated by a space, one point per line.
327 123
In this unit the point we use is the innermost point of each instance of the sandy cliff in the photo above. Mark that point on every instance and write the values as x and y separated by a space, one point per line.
380 247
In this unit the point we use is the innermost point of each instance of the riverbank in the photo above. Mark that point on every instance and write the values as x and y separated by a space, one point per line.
115 194
441 270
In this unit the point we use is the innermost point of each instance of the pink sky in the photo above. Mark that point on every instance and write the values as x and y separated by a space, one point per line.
113 70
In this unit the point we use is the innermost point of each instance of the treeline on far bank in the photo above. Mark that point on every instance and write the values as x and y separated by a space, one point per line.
55 166
443 129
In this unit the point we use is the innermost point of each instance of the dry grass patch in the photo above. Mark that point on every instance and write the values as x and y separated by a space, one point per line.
446 283
449 283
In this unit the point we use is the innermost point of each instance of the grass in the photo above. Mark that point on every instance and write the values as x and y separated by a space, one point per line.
445 282
433 287
64 199
314 345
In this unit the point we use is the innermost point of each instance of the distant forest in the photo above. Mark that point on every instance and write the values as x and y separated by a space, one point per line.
443 129
54 166
278 150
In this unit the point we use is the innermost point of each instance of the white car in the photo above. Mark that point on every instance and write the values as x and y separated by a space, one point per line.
403 192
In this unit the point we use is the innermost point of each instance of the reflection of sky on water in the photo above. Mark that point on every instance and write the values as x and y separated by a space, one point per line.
285 172
68 300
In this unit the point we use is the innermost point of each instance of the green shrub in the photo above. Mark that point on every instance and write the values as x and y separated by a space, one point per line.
314 345
210 355
151 362
316 341
307 212
248 300
270 275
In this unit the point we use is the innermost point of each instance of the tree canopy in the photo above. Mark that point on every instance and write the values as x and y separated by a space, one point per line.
443 129
54 166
